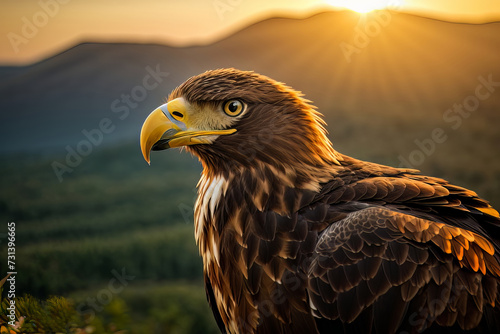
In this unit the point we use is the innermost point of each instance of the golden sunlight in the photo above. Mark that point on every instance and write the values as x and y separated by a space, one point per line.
364 6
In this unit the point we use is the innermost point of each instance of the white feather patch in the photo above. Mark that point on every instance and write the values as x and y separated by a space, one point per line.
210 193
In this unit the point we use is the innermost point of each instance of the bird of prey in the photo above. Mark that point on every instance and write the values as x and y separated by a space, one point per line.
298 238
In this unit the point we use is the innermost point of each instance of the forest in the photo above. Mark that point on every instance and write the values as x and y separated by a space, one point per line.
110 249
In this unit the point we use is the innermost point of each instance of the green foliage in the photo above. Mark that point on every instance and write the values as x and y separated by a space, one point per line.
56 314
158 308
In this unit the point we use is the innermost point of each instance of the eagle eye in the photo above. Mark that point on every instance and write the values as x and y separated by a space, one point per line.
233 107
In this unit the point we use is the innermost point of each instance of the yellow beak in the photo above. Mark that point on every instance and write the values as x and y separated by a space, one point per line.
166 127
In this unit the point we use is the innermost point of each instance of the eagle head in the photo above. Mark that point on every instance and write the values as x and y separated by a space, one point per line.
231 119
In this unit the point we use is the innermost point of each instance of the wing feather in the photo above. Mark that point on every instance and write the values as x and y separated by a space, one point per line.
377 259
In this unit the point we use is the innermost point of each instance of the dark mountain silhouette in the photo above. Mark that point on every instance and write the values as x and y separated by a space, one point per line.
382 84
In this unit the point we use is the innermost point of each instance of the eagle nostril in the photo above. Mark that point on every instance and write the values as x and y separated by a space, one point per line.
177 114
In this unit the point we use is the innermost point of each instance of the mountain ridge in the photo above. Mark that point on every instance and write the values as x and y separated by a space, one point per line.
291 15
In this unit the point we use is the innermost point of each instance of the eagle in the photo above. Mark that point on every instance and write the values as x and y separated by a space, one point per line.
296 237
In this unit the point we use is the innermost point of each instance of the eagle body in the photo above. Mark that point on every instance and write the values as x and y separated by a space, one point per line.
298 238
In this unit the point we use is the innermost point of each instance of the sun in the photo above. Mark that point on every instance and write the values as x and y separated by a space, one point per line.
362 6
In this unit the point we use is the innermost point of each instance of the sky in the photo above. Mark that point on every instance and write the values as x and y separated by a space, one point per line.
32 30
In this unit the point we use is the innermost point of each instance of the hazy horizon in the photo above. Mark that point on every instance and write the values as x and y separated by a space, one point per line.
35 30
